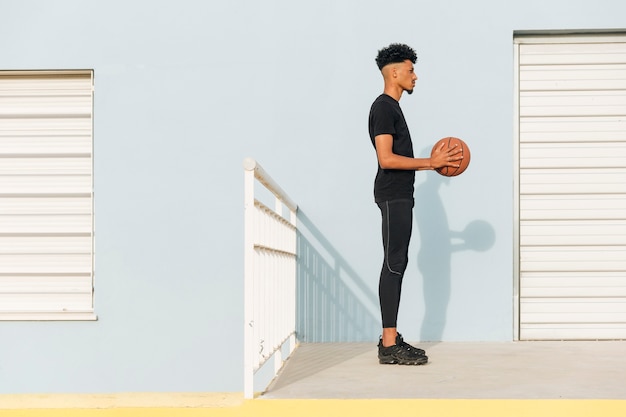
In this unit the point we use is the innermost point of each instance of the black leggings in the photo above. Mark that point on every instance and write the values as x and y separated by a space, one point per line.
397 216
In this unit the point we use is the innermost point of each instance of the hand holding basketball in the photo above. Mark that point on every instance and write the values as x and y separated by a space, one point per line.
457 156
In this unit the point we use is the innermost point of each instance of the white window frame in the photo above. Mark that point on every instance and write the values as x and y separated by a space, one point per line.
46 195
580 298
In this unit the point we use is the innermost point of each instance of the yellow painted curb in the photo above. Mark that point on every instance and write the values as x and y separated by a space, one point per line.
328 408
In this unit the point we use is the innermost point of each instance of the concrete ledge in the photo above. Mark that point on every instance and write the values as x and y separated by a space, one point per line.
582 370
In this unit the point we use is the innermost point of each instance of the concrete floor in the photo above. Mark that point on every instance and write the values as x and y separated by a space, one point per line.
514 370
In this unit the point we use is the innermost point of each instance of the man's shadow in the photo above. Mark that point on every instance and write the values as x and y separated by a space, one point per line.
437 244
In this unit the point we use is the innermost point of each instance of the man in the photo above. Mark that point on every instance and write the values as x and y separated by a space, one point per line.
393 192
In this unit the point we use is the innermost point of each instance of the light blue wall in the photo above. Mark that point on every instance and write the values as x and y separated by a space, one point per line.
186 89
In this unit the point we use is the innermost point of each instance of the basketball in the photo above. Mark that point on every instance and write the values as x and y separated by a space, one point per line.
463 163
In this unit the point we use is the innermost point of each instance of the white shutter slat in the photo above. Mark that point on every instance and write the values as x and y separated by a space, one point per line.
576 331
593 53
52 105
45 127
39 284
573 284
45 302
46 224
45 244
44 205
573 207
41 81
572 129
45 166
573 232
573 181
572 103
78 144
45 184
574 77
573 258
573 155
575 310
45 263
581 73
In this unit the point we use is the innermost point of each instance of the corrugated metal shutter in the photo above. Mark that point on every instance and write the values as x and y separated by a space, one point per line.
572 187
46 210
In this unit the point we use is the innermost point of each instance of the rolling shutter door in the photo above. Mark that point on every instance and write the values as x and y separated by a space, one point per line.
46 215
572 187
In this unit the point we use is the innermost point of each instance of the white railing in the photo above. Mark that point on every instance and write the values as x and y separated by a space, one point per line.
269 275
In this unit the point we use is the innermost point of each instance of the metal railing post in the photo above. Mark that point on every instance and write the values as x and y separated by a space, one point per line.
248 364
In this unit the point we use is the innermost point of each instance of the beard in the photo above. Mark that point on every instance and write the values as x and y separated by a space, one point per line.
409 92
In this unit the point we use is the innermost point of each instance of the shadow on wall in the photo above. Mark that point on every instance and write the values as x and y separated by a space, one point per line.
333 303
434 257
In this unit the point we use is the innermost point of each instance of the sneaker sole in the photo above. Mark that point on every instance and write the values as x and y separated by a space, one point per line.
391 361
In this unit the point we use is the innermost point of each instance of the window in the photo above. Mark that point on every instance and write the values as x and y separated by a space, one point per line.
46 195
571 144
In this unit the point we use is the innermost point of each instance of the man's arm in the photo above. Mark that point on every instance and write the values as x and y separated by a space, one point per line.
389 160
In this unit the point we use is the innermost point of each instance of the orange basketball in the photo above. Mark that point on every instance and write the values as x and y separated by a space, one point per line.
463 163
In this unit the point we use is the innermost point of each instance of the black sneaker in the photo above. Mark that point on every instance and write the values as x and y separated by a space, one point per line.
398 354
400 342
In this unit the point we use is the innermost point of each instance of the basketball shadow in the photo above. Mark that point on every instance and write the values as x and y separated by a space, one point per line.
437 245
333 302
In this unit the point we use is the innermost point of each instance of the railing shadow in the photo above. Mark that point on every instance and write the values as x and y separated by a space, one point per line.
438 243
333 303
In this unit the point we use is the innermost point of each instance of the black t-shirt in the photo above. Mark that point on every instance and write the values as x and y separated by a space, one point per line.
386 118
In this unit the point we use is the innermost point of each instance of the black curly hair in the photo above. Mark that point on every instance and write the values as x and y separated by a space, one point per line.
396 52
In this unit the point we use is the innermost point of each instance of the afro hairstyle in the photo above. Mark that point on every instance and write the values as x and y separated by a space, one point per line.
395 53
